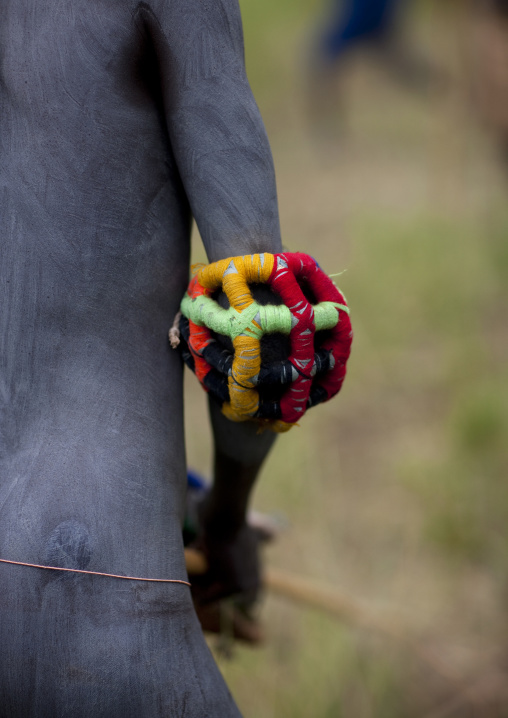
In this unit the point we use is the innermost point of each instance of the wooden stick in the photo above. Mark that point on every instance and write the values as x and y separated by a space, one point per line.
308 593
340 605
349 609
195 562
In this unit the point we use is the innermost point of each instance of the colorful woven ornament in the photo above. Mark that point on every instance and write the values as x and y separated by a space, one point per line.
225 347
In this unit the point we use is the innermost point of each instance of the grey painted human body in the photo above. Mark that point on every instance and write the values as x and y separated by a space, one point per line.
118 120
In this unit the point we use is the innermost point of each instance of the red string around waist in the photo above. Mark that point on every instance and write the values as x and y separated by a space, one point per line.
96 573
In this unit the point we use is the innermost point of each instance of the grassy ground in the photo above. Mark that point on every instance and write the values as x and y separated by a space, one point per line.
395 492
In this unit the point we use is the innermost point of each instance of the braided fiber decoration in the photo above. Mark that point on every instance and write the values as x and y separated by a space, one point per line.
277 393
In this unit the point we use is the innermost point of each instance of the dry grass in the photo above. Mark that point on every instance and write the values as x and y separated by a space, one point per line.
395 492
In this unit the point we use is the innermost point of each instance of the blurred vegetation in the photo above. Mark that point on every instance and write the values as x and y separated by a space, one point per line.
395 492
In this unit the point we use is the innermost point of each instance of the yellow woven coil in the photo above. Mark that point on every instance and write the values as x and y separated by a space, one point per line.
234 276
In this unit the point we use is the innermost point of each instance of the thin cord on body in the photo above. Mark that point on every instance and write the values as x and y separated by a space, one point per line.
96 573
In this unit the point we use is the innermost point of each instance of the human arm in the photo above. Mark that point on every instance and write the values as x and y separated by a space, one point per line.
216 132
222 153
229 543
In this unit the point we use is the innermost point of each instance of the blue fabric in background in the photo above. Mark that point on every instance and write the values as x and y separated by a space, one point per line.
356 20
195 481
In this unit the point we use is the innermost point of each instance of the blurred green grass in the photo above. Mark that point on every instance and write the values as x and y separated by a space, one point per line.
396 491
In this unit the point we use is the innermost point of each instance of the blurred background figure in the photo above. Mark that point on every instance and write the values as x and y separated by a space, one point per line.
355 21
490 76
352 25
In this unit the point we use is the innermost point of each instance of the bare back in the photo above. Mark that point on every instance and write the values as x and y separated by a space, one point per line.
116 118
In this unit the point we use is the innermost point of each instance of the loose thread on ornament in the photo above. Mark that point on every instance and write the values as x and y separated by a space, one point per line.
197 266
174 332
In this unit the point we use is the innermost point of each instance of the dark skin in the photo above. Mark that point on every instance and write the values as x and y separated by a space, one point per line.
230 545
501 6
119 121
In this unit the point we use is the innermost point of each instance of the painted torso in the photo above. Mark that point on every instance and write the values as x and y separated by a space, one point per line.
94 247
